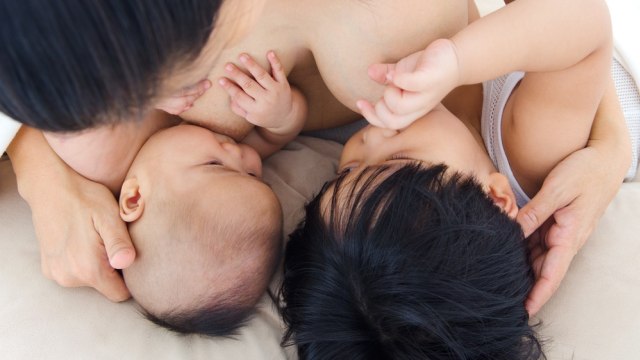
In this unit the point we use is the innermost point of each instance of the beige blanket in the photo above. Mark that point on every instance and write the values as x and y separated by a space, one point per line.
593 316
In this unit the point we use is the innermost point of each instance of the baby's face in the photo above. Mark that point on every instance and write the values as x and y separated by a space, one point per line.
438 137
194 158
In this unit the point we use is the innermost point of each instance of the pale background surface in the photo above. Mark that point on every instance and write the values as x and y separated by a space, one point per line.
594 314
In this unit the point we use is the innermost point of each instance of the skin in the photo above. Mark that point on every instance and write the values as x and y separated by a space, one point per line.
547 121
317 55
317 65
182 164
436 138
105 154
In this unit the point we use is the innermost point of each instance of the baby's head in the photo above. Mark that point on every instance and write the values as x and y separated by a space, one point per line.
403 257
207 231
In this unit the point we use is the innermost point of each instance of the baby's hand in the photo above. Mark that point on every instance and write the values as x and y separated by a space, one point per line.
415 85
184 99
265 100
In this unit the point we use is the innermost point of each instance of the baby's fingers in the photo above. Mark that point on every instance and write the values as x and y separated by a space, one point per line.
244 81
237 94
258 72
276 67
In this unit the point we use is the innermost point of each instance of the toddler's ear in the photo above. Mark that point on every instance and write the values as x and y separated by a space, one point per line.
131 202
502 195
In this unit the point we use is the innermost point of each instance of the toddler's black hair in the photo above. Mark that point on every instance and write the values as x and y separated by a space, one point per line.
407 263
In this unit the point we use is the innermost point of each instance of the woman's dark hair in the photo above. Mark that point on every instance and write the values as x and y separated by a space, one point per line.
407 263
68 65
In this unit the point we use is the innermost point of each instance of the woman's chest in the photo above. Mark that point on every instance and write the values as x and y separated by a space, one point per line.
326 48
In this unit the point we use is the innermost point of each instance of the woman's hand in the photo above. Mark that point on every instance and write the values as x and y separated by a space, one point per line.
183 100
82 239
562 215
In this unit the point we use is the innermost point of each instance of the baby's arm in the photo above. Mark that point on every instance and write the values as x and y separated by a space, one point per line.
266 100
526 35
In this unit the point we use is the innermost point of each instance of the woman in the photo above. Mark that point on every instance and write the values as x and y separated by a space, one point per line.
69 83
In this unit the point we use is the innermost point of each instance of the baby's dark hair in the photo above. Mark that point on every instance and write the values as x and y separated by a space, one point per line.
69 65
407 262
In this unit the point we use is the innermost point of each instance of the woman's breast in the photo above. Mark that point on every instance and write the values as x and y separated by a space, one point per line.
379 32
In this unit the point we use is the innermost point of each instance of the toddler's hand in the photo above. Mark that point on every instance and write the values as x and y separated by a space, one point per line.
264 99
415 85
184 99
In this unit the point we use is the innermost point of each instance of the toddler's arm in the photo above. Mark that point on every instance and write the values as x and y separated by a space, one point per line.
266 100
573 197
526 35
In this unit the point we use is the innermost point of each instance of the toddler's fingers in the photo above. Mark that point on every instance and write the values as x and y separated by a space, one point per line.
248 85
402 102
415 81
381 73
410 105
237 94
276 67
367 110
258 72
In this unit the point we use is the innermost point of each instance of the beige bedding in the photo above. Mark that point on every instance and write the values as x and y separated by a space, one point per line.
593 316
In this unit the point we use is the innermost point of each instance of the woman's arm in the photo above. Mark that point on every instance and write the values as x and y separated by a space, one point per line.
82 238
562 215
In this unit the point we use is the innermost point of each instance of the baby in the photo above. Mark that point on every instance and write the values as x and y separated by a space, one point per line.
413 251
206 229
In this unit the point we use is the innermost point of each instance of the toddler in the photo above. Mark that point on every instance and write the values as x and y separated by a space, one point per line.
413 250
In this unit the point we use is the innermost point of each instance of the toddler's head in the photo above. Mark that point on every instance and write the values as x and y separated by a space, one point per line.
406 262
403 257
207 231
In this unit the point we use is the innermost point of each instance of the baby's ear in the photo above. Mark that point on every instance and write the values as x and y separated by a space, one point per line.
131 202
502 195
